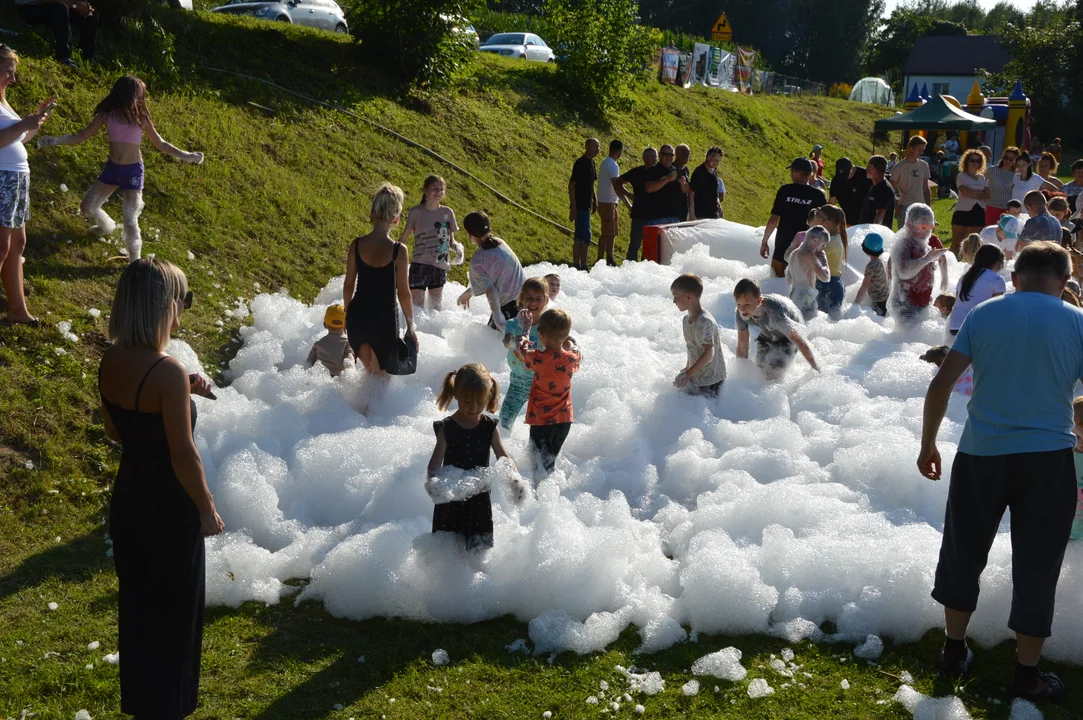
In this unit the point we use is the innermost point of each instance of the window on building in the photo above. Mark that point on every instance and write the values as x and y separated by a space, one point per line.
941 89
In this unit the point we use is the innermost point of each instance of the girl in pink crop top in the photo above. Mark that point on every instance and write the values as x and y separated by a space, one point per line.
123 132
125 117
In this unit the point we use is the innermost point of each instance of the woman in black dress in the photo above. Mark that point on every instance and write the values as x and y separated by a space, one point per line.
161 508
377 270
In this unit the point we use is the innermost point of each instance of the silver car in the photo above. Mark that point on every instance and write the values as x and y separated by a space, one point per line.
521 45
322 14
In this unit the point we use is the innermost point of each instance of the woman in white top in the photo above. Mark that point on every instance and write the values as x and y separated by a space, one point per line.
1026 179
978 284
15 190
969 215
1047 169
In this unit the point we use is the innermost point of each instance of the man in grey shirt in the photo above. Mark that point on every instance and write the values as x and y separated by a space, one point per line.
59 16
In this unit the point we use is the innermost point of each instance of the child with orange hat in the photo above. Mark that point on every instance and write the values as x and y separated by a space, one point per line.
333 349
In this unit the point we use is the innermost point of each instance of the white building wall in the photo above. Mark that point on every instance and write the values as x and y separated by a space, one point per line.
959 85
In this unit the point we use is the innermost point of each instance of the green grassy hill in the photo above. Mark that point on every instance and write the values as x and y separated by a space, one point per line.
285 186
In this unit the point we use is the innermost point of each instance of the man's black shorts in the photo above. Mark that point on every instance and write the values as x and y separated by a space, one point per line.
1040 490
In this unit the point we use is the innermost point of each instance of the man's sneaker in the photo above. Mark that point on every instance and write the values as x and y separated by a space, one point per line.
68 62
953 664
1041 687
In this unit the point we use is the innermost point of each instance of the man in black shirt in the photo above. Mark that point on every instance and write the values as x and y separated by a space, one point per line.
790 212
704 187
848 189
879 205
680 163
642 201
670 184
583 201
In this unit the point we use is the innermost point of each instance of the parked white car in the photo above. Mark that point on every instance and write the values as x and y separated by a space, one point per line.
521 45
323 14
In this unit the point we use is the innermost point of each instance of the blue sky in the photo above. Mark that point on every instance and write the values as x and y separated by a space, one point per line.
1021 4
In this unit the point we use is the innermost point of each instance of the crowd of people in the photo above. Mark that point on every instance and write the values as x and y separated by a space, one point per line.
1015 448
811 250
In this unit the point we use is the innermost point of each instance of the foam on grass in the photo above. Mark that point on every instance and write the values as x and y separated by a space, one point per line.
769 510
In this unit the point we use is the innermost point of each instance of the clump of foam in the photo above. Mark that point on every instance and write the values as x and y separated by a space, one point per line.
64 328
724 664
690 688
759 688
648 683
1024 710
773 509
923 707
872 648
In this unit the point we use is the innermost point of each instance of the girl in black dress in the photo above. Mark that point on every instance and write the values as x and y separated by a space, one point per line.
161 508
463 441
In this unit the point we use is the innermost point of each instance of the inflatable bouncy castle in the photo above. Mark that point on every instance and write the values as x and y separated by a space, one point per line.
1012 116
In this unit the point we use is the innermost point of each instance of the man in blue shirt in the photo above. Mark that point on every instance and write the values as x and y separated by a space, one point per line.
1016 452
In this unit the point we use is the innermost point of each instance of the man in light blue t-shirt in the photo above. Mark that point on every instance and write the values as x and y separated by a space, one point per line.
1015 452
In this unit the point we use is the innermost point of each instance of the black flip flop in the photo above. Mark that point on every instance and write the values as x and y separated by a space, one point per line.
6 323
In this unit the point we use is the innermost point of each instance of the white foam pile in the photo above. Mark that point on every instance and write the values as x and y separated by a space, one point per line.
759 688
649 683
770 510
923 707
872 648
724 664
1025 710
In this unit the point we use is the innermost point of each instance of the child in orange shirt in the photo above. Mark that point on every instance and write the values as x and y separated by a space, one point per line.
549 411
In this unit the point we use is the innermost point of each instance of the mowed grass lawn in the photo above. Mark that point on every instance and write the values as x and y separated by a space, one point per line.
285 187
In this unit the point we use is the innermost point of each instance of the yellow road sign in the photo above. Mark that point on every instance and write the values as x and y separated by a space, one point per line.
721 31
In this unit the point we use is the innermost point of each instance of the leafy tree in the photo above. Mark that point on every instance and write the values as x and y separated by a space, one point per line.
889 50
1001 14
602 51
528 7
968 13
826 38
1046 59
418 41
816 39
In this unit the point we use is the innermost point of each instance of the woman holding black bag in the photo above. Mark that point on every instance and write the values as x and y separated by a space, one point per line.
377 271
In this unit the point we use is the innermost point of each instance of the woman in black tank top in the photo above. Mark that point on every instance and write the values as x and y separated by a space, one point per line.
370 290
161 507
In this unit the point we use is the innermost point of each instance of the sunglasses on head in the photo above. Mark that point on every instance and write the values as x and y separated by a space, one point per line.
187 302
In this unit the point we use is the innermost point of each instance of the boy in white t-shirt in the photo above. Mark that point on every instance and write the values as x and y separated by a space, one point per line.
705 370
1004 234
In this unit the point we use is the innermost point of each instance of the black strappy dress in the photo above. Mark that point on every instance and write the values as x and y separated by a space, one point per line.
159 555
371 316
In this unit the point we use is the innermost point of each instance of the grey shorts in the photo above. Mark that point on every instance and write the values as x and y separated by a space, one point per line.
774 356
14 199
